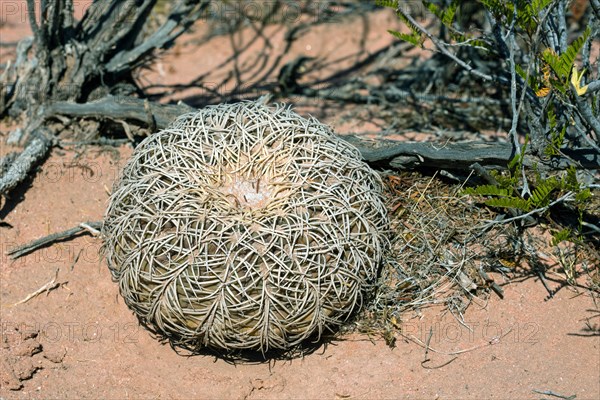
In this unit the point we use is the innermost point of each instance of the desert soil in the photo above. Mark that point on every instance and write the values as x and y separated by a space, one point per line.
79 340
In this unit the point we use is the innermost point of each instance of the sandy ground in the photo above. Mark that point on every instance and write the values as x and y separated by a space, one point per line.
79 340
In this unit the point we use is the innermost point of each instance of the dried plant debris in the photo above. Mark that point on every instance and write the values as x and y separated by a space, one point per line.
245 227
444 251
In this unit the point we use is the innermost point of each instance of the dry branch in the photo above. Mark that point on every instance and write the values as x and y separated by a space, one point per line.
22 164
122 108
179 20
407 155
27 248
400 155
72 62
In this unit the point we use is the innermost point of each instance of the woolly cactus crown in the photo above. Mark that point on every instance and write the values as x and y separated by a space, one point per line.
243 226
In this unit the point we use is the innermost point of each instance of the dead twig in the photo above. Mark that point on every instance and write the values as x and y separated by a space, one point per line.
551 393
543 280
490 281
426 359
91 227
47 287
76 259
491 342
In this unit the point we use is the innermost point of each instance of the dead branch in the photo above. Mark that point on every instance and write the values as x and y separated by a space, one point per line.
91 227
179 20
20 166
121 108
72 62
407 155
398 155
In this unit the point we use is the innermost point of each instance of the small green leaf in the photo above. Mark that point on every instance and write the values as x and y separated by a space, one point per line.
583 196
551 116
414 38
540 197
561 236
563 64
569 181
556 141
449 13
487 190
387 3
515 164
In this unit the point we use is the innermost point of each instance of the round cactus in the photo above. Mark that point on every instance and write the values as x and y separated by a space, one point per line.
244 226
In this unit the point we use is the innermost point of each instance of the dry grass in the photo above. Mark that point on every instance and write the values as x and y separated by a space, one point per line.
444 251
